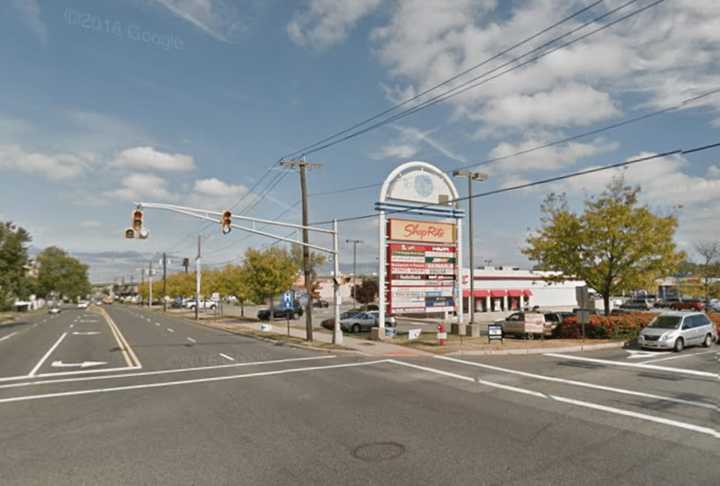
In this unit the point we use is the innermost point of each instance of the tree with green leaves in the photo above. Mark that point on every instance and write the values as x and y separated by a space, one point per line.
614 245
233 282
61 274
267 273
14 282
316 261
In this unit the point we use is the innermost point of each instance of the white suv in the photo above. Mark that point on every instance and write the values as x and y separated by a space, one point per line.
677 330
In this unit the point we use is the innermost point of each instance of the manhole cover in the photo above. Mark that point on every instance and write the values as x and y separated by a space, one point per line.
378 451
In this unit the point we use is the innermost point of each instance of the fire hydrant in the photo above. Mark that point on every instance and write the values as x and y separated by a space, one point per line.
441 334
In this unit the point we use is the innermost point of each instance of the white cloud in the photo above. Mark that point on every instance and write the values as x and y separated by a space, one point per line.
147 158
54 166
548 158
665 54
220 19
568 105
136 187
216 187
30 10
328 22
393 151
713 172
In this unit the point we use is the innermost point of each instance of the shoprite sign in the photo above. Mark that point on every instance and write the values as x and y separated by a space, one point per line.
421 231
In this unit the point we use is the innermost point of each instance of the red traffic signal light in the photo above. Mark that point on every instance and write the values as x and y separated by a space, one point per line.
137 220
226 222
129 234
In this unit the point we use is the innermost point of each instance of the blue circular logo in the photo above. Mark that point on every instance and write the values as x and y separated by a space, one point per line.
423 185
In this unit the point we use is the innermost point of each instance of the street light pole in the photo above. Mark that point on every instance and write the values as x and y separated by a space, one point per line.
355 243
471 176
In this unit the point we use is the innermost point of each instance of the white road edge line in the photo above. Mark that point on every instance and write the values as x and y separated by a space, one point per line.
690 355
584 384
570 401
47 355
186 382
635 365
191 340
229 358
8 336
170 329
147 373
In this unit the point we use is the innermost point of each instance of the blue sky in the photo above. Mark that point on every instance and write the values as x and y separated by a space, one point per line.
190 101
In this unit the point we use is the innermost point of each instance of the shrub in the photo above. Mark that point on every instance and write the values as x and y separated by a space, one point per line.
626 326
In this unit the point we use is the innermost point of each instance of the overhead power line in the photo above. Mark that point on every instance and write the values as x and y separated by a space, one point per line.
485 77
541 181
447 81
628 121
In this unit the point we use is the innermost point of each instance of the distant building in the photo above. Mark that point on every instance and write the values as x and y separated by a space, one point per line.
503 289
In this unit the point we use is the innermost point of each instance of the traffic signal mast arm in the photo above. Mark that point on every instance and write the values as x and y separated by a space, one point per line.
207 215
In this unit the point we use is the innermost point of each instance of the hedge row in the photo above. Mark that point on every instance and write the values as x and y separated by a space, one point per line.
625 326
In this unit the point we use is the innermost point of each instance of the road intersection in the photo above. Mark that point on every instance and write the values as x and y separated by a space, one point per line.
145 398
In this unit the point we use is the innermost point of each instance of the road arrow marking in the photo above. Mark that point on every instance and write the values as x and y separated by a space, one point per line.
86 333
84 364
640 354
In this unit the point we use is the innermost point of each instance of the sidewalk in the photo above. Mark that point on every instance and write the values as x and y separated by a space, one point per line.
322 339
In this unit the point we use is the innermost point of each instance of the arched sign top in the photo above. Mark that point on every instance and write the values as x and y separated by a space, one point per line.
419 182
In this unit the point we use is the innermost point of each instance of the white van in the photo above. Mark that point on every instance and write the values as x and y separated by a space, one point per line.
677 330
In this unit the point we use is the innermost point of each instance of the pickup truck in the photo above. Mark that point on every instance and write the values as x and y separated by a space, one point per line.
526 324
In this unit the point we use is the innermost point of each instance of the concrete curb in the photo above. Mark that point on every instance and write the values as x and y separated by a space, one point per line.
566 349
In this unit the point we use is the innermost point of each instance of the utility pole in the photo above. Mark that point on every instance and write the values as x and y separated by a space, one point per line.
150 282
354 243
197 279
164 282
471 176
142 282
302 165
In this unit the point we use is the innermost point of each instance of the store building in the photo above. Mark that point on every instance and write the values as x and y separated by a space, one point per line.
506 289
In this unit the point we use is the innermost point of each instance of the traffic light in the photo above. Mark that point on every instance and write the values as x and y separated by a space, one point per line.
129 234
137 226
226 222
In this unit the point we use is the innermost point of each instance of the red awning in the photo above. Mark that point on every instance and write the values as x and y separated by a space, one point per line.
477 293
515 293
527 292
498 293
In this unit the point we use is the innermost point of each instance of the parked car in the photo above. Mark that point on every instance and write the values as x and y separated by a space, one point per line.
713 305
320 303
688 304
678 330
521 323
639 304
355 322
204 305
280 313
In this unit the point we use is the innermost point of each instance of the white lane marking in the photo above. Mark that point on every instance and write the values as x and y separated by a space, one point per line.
86 333
72 325
170 329
679 356
229 358
148 373
191 340
82 364
47 355
639 354
187 382
635 365
8 336
583 384
157 323
570 401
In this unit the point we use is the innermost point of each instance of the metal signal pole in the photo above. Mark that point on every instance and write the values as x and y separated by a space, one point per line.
150 285
164 282
302 165
471 176
354 244
197 280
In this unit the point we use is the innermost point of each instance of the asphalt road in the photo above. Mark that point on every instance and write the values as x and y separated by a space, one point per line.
176 403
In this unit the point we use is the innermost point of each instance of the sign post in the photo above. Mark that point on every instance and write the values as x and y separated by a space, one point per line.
420 260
